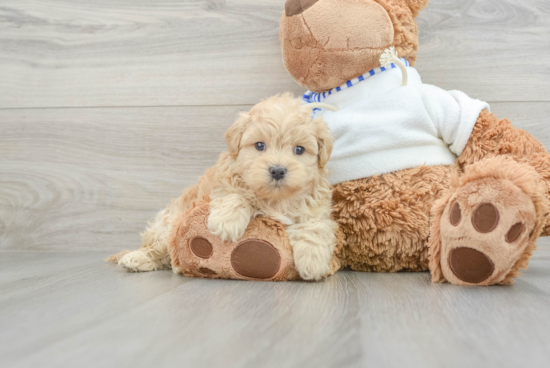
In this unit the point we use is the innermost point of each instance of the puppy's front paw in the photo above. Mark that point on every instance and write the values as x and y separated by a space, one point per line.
229 216
228 230
311 261
229 226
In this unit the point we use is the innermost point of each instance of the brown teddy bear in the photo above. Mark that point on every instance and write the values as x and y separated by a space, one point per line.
424 179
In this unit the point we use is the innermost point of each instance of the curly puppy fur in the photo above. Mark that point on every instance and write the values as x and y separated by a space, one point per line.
240 187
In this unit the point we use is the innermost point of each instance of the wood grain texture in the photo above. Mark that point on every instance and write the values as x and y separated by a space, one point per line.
493 50
68 309
533 117
61 53
140 53
92 178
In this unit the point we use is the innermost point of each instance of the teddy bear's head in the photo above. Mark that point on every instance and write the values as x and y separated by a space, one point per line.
325 43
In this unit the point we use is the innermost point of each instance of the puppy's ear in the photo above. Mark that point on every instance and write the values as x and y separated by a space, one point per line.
416 5
235 132
324 141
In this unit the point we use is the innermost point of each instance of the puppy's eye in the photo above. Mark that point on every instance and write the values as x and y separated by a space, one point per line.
299 150
260 146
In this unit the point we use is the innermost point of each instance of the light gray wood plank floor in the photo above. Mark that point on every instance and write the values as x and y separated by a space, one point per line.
68 309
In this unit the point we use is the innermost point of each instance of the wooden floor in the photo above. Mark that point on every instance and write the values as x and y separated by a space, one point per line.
69 309
109 108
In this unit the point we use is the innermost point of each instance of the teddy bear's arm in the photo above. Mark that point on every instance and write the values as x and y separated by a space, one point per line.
492 136
453 114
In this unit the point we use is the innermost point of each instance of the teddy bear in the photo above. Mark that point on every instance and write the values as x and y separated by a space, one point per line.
423 179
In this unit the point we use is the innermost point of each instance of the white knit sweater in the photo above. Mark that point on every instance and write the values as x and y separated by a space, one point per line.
381 127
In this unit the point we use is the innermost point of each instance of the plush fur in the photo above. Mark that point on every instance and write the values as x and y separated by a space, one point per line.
518 193
334 41
492 137
386 219
390 222
240 187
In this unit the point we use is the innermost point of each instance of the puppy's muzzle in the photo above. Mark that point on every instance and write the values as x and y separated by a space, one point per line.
277 172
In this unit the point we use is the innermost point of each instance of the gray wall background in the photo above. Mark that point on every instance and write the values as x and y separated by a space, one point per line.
109 108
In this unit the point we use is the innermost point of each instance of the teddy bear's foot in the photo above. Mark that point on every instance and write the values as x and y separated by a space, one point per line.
489 224
263 253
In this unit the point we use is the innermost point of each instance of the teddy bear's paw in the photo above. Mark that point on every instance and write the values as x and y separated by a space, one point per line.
263 252
485 230
251 258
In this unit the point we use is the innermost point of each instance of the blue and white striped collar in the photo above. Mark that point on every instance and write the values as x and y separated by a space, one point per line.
310 97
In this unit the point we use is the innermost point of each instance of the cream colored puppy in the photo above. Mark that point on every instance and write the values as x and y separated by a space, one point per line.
275 168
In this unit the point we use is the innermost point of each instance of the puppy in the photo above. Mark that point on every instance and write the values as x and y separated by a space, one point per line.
275 168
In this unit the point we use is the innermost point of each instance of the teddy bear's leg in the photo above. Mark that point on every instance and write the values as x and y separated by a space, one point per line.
262 253
484 229
384 221
493 137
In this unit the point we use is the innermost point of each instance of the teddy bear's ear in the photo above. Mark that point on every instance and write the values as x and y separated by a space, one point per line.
234 134
416 5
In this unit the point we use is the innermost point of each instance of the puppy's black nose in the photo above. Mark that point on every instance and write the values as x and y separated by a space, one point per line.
293 7
277 172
